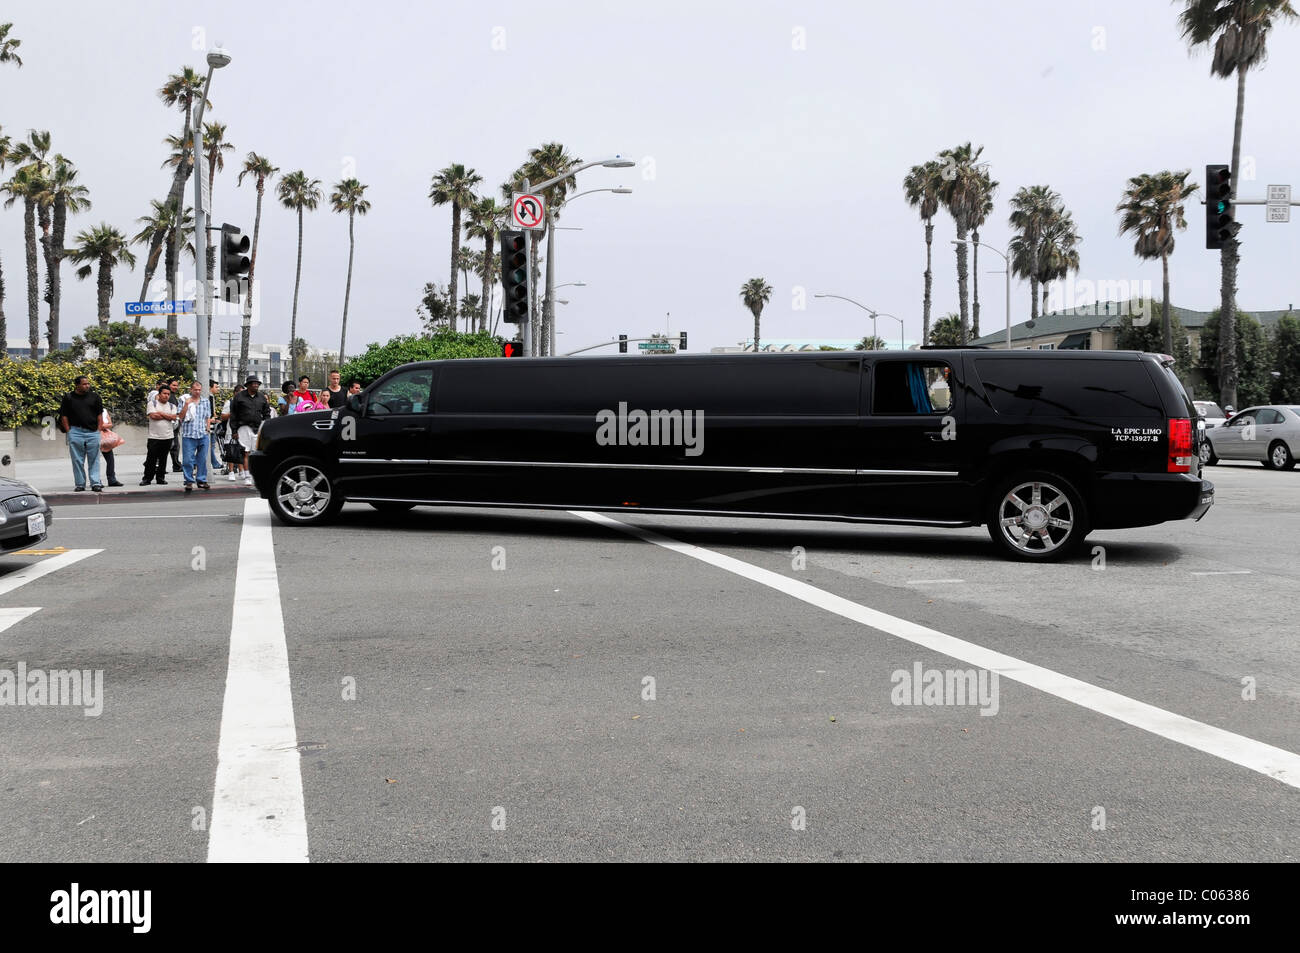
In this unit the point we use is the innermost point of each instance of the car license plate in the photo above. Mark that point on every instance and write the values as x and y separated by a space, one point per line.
36 524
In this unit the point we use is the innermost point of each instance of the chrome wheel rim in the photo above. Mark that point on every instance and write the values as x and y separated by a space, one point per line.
303 492
1205 452
1036 517
1279 456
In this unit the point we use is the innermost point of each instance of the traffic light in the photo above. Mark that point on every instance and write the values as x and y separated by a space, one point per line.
514 278
512 349
681 345
234 263
622 344
1220 213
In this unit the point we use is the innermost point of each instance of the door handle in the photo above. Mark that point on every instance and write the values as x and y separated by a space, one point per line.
934 435
413 428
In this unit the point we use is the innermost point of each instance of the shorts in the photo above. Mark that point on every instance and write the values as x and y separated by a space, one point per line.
248 438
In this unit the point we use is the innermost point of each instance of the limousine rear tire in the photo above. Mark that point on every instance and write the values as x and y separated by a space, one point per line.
1036 516
303 494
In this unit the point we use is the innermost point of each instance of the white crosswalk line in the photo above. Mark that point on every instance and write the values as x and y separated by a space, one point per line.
10 617
258 813
43 568
1269 760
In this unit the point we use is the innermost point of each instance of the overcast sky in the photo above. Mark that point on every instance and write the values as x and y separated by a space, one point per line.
771 141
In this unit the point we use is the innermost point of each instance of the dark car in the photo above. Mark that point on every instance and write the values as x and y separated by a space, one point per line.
1040 447
25 517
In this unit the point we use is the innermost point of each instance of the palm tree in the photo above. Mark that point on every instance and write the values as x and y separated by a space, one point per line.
1239 31
180 90
1151 211
485 221
985 208
347 197
7 46
755 293
454 185
156 231
214 144
26 184
921 188
961 193
105 246
870 343
947 331
297 192
1032 209
260 168
30 183
64 195
1058 255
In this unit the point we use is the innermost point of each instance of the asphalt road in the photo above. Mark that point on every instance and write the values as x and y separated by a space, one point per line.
472 685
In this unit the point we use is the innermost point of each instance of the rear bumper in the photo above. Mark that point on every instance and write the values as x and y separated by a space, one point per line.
1144 499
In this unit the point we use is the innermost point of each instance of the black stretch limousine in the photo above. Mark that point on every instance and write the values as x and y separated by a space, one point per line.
1040 447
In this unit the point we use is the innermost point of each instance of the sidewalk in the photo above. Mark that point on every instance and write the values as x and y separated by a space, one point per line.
53 478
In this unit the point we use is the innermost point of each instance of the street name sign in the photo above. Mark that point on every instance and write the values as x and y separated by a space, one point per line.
159 307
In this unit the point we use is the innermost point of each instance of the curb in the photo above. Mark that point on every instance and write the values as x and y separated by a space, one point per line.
140 495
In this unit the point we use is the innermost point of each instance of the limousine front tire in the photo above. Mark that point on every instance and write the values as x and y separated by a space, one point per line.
303 493
1037 516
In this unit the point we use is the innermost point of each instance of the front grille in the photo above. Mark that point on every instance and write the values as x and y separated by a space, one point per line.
23 504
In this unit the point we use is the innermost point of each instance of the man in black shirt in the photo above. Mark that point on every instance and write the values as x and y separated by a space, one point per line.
80 418
248 409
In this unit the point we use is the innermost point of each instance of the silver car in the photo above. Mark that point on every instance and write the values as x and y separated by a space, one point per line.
1269 433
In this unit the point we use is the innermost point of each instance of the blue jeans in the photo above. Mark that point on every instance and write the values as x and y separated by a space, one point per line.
190 446
83 447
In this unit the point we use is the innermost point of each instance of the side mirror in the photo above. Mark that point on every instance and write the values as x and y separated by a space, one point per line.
354 402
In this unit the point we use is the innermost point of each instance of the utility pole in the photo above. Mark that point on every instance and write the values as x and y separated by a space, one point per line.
229 337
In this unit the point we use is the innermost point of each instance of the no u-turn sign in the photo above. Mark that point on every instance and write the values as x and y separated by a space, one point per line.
529 210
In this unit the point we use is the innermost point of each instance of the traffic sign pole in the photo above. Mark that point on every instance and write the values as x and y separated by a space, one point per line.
528 269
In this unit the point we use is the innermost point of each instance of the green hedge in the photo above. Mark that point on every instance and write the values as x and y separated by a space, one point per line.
379 359
31 390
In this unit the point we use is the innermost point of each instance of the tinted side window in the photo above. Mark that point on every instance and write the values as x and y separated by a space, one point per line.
756 386
1267 416
910 387
1057 388
405 393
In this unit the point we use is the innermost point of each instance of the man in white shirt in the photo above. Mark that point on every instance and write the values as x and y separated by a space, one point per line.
161 417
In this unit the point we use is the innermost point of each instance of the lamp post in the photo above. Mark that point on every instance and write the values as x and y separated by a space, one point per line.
902 343
217 58
548 308
1006 258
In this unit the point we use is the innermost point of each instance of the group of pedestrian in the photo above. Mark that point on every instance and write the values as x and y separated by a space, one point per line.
185 425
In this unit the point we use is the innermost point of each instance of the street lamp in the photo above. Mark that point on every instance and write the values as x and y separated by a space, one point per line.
1006 258
902 344
548 308
616 162
217 58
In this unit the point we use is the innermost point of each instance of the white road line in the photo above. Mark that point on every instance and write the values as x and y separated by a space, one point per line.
257 804
178 516
930 582
35 571
1276 763
10 617
1225 572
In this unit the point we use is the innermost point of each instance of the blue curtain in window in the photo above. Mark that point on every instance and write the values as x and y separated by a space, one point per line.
920 393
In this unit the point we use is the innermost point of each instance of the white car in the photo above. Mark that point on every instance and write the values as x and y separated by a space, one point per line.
1211 413
1268 433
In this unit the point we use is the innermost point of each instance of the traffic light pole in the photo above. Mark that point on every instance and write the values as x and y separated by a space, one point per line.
202 310
528 270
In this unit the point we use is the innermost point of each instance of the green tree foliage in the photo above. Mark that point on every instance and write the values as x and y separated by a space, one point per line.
1254 359
379 359
1286 361
1150 335
947 331
155 350
33 390
434 308
870 343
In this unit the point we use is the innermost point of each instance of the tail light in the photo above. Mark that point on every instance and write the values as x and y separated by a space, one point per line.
1180 445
